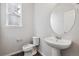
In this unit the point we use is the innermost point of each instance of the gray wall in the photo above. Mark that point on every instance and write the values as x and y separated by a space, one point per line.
10 35
42 29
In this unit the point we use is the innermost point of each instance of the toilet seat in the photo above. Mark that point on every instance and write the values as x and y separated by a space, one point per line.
28 47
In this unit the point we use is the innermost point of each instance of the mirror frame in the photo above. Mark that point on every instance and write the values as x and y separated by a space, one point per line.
57 5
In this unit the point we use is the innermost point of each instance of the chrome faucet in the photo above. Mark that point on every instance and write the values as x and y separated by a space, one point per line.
58 37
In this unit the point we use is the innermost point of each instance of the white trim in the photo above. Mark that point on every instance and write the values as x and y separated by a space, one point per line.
13 53
41 53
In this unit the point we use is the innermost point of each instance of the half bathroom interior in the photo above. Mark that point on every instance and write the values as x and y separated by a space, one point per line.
39 29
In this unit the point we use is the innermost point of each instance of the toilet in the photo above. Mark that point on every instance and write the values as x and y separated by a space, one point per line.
31 49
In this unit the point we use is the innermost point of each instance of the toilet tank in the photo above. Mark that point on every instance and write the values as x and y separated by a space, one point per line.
36 41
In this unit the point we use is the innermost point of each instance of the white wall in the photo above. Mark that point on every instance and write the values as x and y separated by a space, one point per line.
42 29
0 28
42 25
74 36
9 35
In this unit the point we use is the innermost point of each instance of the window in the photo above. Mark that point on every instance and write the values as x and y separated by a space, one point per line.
14 14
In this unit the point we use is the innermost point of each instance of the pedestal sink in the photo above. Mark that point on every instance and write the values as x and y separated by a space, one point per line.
58 43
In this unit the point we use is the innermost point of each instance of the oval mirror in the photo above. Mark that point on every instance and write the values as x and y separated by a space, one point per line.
62 18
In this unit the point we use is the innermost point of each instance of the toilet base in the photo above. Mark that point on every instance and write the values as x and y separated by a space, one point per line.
31 52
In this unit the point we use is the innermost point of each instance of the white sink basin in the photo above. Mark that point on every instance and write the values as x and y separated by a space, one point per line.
58 43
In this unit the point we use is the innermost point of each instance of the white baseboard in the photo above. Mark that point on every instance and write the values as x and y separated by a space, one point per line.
21 51
41 53
13 53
